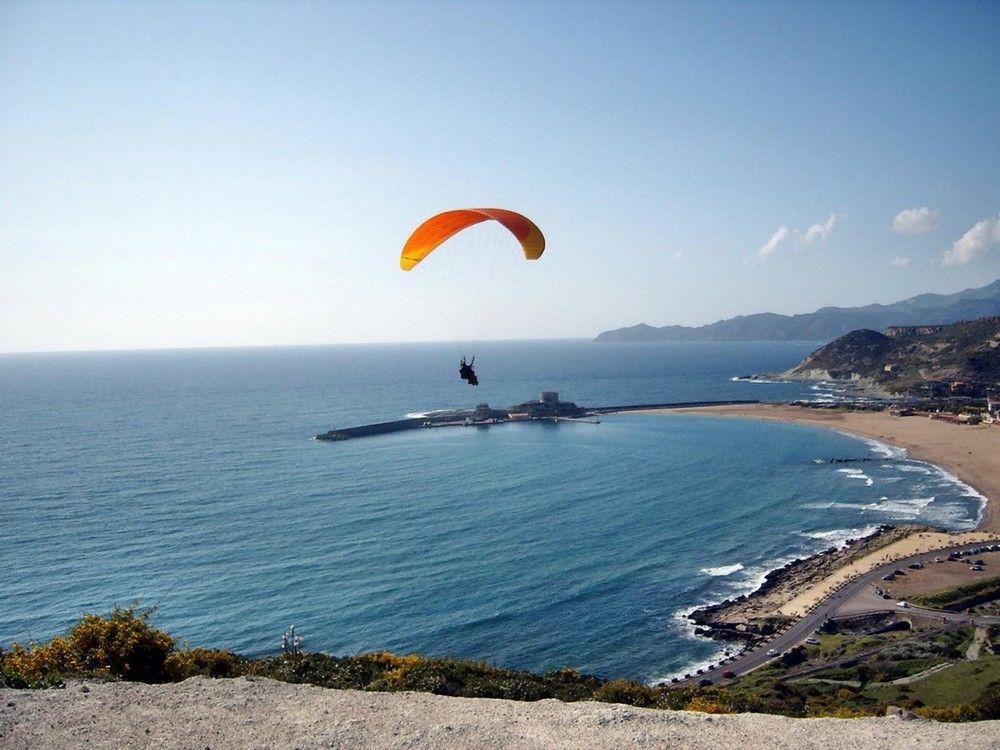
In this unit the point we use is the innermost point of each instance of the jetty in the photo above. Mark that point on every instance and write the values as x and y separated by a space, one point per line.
548 407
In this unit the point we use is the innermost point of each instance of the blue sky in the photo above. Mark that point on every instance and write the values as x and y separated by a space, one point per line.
199 174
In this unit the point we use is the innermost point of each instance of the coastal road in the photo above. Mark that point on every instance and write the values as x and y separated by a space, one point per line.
805 626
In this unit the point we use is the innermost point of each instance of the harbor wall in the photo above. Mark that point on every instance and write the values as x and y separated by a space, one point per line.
672 405
385 428
367 430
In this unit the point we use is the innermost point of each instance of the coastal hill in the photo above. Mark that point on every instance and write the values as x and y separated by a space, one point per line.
827 323
904 357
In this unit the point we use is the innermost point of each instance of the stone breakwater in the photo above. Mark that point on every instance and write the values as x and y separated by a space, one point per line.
547 407
751 618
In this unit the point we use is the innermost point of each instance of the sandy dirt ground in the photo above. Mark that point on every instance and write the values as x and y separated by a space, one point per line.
972 453
258 713
943 575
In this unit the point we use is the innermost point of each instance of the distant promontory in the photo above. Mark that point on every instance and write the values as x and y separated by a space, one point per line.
962 358
827 323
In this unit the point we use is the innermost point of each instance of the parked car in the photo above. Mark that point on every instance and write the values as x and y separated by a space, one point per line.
902 604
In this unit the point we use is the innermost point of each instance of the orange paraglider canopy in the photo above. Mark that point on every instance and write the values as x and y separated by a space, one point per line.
437 229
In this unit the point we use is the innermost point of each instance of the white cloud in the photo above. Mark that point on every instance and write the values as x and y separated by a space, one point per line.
771 245
820 231
916 220
975 243
900 262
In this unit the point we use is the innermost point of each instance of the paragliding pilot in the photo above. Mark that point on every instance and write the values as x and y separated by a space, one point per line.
465 371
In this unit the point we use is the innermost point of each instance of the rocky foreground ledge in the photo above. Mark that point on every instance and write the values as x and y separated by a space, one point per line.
260 713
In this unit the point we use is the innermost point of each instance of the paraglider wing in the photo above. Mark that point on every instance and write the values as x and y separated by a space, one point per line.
441 227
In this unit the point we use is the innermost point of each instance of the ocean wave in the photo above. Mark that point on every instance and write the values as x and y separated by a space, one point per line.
687 628
913 469
857 474
967 491
883 449
722 570
900 508
840 537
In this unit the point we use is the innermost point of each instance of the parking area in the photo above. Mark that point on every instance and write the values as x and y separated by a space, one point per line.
941 572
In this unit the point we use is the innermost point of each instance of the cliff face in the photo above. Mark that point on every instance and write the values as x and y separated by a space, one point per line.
829 322
909 356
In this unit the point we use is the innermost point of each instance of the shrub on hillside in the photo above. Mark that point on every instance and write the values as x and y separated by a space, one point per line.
188 662
122 645
706 704
624 691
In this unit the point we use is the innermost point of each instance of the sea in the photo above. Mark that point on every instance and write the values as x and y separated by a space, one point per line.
190 481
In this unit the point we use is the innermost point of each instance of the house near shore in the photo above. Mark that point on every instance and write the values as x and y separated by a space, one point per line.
547 406
993 404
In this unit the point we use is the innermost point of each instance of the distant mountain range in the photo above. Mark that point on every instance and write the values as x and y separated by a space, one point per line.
827 323
903 358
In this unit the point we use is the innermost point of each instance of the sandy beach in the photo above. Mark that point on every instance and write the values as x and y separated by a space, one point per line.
970 453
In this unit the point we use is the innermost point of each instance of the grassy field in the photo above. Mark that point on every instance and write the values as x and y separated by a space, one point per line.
960 597
963 682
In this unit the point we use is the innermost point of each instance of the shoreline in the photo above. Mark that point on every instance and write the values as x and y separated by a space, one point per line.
969 455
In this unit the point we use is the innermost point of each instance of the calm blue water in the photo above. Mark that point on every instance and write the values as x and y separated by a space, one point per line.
189 480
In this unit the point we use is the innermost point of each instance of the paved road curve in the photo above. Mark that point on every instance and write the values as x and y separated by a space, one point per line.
830 607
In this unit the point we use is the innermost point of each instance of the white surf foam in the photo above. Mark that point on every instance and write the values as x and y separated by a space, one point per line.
882 449
840 537
913 469
857 474
722 570
967 491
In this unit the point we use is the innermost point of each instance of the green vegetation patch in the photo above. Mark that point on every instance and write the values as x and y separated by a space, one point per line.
124 646
964 683
961 597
